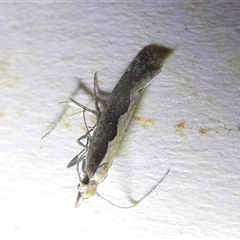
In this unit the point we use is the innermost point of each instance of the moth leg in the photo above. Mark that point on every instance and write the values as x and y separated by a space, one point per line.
87 134
83 107
79 140
57 122
77 159
97 112
64 112
95 94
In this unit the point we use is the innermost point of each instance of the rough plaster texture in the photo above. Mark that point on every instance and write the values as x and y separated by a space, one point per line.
188 119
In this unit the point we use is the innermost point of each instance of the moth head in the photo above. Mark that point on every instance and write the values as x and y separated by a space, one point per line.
86 191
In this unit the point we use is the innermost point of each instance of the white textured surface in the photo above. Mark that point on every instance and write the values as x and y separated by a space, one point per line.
188 119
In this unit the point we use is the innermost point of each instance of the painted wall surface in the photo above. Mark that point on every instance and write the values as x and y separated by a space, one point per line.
188 119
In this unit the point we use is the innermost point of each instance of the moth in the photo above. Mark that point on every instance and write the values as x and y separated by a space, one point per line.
103 140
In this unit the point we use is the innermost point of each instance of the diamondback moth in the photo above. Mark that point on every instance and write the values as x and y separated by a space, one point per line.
103 140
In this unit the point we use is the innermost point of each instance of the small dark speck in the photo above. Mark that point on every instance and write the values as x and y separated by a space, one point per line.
203 131
179 128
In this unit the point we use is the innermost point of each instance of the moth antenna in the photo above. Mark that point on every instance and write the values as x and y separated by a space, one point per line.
142 199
